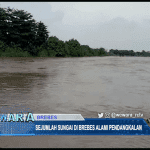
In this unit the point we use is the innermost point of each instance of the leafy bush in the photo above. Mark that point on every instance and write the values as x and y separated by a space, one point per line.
2 47
43 53
14 52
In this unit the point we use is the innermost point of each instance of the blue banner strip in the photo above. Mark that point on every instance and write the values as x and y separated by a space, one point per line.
90 126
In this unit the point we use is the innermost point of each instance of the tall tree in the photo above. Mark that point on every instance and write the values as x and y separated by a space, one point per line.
52 45
74 47
67 51
20 28
3 25
102 51
60 50
42 33
13 34
26 30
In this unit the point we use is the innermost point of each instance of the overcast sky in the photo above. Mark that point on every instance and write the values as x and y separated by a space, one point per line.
112 25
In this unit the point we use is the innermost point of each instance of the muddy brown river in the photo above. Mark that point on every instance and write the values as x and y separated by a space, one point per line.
86 86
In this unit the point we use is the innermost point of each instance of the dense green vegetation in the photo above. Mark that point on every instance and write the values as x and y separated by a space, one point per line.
22 36
128 53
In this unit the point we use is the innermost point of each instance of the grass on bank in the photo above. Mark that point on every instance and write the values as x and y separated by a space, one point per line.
14 52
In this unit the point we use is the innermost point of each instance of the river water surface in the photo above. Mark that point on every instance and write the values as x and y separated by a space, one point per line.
86 86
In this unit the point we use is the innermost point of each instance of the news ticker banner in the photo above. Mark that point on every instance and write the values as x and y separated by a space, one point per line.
69 124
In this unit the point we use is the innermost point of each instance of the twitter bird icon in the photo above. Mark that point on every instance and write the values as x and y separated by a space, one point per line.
100 115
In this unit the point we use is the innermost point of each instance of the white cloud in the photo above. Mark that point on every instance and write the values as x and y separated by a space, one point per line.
85 10
120 25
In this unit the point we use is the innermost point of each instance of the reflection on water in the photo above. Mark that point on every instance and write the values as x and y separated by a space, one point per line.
86 86
18 80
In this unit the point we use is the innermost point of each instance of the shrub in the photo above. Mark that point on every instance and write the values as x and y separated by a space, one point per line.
2 47
43 53
14 52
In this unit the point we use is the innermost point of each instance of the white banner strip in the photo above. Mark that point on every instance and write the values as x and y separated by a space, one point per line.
57 117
